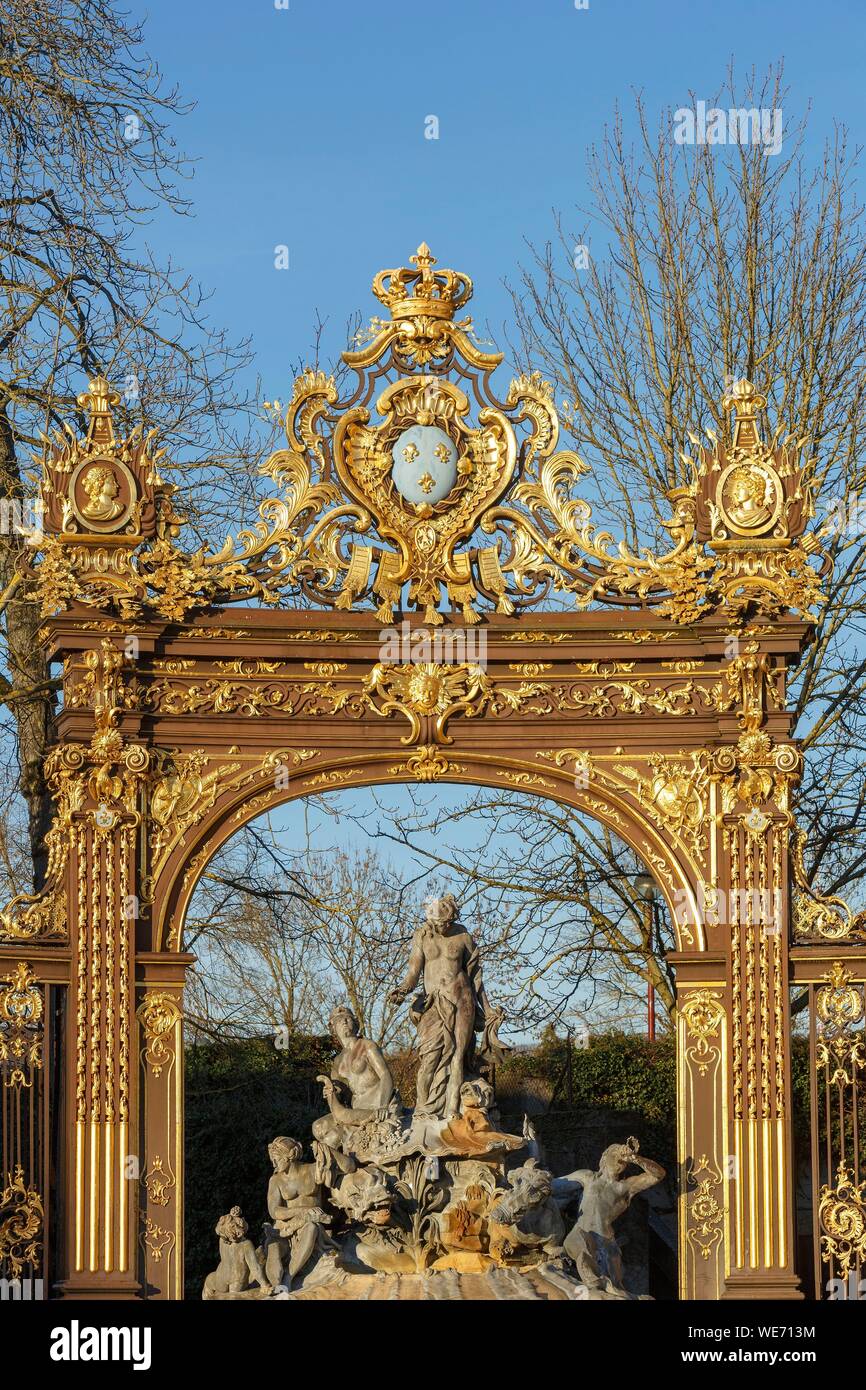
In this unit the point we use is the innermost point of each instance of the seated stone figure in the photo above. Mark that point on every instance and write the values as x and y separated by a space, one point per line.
295 1202
359 1075
606 1194
239 1267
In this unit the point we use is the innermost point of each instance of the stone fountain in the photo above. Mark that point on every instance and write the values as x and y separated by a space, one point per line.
437 1201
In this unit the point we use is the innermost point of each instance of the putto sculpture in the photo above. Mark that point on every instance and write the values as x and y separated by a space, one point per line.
439 1189
240 1266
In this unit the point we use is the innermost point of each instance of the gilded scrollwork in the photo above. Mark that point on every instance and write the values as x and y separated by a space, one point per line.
427 690
22 1220
180 796
21 1026
158 1014
156 1239
842 1217
385 496
704 1015
528 780
841 1045
219 695
674 794
820 916
427 763
334 692
159 1183
706 1212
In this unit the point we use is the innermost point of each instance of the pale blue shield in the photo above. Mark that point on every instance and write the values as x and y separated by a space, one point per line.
424 464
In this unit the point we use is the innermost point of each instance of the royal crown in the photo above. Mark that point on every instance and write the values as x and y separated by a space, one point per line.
422 291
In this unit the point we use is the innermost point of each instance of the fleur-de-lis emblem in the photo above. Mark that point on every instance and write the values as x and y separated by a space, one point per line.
410 453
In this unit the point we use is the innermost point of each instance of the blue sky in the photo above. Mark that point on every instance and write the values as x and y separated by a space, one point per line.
309 132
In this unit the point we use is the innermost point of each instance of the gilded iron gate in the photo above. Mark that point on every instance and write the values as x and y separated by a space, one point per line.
193 701
836 1012
31 1021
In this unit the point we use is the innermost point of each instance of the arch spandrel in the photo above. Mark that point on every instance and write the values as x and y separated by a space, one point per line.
420 507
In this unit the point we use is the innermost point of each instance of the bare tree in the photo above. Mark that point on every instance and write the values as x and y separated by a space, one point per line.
87 154
282 936
696 264
551 896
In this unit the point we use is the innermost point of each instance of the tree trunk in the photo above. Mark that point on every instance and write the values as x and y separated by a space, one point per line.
27 693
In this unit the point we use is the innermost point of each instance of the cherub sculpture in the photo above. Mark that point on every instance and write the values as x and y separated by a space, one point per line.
239 1267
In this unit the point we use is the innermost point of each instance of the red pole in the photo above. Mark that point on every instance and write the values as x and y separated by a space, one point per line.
650 989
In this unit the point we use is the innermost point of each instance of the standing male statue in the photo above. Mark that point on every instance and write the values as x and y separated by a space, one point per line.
450 1009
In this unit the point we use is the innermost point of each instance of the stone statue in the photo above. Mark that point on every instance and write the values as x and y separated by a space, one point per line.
451 1007
295 1203
430 1197
606 1195
525 1222
361 1071
374 1241
473 1131
239 1267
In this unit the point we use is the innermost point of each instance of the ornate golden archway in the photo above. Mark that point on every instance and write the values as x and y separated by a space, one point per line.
338 643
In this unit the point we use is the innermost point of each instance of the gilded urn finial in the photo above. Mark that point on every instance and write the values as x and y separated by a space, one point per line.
746 402
99 399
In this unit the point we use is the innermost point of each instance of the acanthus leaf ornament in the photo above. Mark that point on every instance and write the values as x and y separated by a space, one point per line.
22 1220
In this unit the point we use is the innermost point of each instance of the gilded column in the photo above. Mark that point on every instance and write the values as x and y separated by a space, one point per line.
104 782
755 784
159 1017
702 1123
